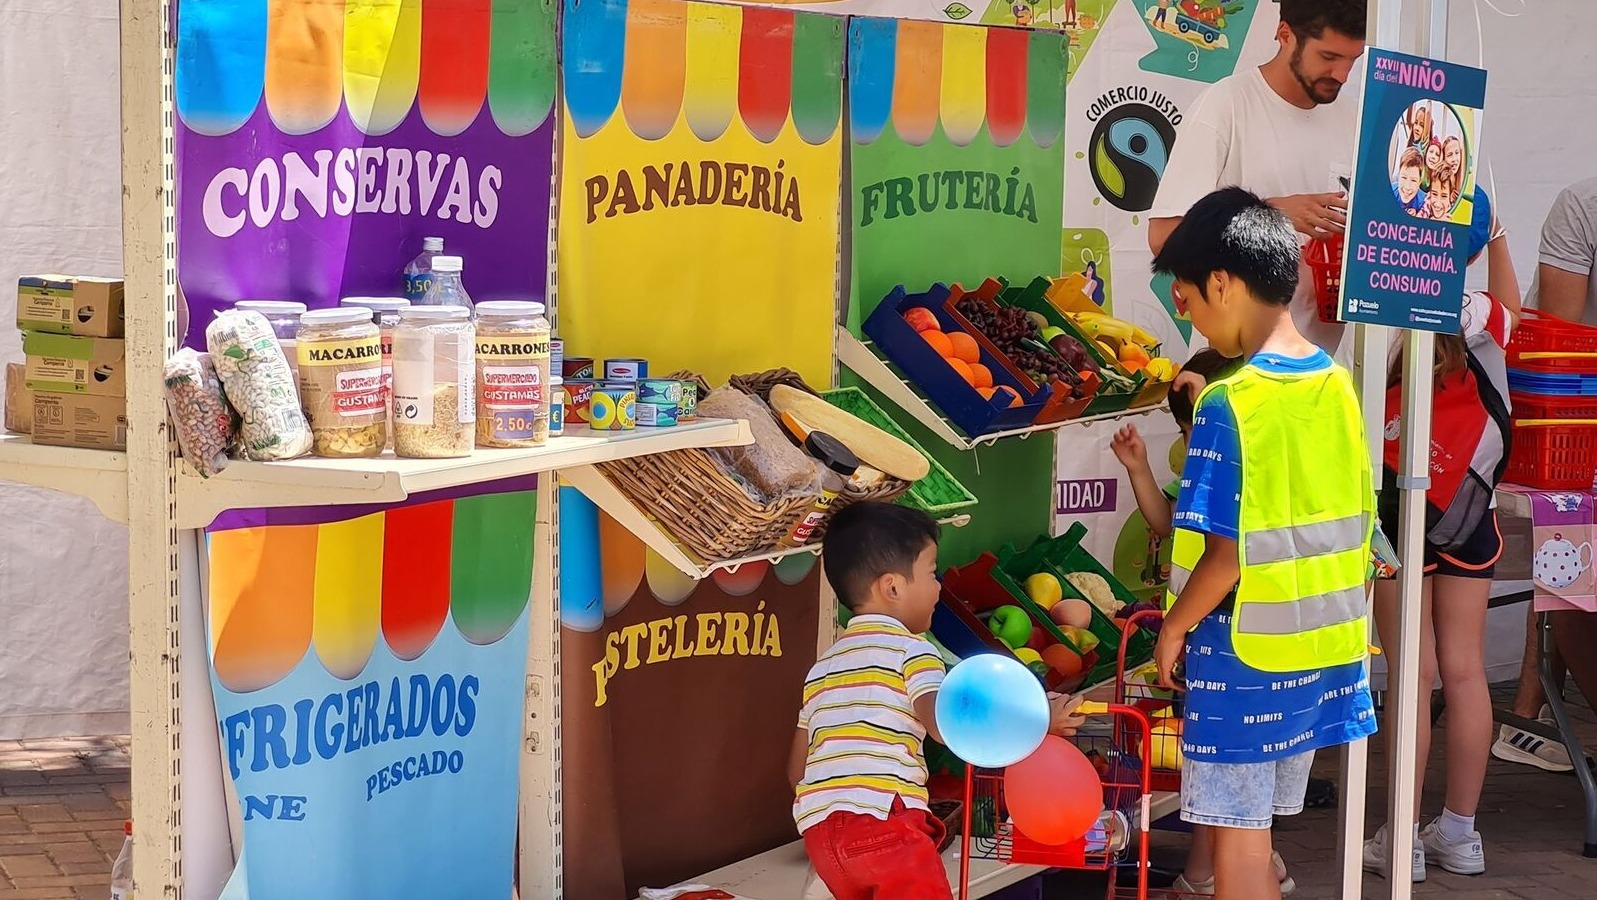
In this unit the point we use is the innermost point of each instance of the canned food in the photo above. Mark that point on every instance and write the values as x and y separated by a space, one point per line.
575 367
625 369
657 415
688 409
557 355
662 391
557 407
612 410
579 396
618 384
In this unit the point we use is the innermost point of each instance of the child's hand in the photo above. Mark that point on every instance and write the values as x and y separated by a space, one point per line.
1063 721
1167 655
1129 448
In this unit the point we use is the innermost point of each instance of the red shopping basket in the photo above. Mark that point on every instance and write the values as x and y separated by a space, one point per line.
1546 343
1554 454
1324 258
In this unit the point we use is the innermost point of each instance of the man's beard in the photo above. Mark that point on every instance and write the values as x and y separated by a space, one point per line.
1326 90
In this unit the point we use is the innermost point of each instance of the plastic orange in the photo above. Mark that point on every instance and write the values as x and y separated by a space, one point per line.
1063 660
1134 353
1004 390
986 392
939 342
963 370
965 347
982 374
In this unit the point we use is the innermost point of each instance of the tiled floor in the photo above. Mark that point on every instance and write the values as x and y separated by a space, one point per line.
62 805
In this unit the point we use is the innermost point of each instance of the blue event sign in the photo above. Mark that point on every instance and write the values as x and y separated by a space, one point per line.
1410 210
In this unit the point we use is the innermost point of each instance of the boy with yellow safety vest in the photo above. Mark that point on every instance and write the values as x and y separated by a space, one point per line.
1267 605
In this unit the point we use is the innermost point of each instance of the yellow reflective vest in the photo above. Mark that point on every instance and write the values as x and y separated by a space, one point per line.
1307 514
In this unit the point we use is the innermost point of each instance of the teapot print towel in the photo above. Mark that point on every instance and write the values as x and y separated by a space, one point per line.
1564 534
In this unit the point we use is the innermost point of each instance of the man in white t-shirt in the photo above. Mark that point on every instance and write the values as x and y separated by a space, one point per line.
1278 131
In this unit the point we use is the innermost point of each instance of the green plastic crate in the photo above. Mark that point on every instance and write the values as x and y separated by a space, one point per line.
1032 298
939 494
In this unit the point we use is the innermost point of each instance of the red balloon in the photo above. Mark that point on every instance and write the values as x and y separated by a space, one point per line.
1054 795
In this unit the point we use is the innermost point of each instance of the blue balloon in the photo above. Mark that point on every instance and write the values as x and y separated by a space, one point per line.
992 711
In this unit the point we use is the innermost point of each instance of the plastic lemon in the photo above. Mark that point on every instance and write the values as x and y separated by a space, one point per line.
1027 655
1043 589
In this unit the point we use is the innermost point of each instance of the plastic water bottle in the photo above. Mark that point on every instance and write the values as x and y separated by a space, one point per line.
419 273
122 869
446 288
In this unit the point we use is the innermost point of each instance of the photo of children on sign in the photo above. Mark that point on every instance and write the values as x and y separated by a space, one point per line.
1431 162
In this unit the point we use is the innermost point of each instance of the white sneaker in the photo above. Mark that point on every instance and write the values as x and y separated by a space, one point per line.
1206 888
1462 857
1514 745
1377 849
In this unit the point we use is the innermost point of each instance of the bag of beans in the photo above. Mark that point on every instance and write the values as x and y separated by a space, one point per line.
200 413
260 385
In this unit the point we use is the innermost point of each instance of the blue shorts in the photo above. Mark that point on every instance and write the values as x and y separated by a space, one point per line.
1244 795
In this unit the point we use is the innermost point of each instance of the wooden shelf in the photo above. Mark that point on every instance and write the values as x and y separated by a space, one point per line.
607 497
863 361
99 475
312 481
783 873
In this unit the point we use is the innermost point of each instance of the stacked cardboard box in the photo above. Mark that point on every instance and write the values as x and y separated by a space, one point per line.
76 367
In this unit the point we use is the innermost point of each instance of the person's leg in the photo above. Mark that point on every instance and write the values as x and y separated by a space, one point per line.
1231 798
1575 634
1200 856
1388 615
1516 745
1242 867
1528 699
1459 619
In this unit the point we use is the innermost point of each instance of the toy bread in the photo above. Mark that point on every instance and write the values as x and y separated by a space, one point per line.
771 465
875 447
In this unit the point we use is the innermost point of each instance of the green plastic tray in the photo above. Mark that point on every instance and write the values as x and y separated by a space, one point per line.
1032 299
939 494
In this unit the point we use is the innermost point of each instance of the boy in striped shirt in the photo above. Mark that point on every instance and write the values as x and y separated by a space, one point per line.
857 764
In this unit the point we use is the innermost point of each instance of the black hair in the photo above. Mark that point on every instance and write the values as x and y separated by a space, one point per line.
1310 18
867 540
1233 231
1208 363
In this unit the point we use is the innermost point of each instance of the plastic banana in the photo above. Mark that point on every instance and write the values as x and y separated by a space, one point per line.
1101 324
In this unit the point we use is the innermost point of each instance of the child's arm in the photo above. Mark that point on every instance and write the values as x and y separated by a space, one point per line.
926 712
797 756
1501 282
1129 448
1212 579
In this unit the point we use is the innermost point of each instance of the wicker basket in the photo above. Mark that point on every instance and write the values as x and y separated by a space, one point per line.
760 383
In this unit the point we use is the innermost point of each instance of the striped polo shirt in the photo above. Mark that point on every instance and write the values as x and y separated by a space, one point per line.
859 710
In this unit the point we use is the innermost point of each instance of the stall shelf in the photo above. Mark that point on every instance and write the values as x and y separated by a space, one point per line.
859 358
780 874
99 475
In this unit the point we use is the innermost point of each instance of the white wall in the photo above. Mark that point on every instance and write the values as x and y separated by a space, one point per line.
63 613
63 569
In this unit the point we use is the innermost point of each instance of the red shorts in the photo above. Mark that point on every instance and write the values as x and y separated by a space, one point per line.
865 858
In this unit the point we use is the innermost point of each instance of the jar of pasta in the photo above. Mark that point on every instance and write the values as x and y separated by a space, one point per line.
341 382
434 382
512 374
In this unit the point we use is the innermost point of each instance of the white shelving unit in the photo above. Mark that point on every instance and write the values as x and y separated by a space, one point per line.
99 475
863 361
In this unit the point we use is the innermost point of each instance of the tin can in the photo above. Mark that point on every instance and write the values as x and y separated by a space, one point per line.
657 415
619 384
613 410
557 406
557 355
661 391
579 368
579 397
688 409
625 369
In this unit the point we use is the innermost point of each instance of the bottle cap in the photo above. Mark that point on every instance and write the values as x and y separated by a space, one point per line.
832 453
343 315
446 313
378 304
446 264
510 308
433 244
268 307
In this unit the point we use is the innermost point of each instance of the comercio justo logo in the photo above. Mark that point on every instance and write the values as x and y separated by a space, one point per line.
1134 129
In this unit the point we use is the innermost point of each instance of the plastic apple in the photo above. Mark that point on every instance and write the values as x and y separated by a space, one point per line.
921 319
1039 640
1071 611
1011 625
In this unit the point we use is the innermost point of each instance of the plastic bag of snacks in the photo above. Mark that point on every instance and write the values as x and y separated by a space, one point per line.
199 410
258 382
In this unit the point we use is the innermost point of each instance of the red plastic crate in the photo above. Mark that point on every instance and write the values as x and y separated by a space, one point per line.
1554 456
1545 343
1324 259
1547 406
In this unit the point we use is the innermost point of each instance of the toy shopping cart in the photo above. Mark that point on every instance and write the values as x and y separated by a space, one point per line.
1118 840
1139 689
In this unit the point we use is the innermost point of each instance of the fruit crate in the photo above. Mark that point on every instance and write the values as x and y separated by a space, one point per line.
1071 302
1063 555
953 396
980 586
1112 397
1065 402
939 494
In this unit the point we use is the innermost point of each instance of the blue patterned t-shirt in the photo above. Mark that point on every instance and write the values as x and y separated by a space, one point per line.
1236 713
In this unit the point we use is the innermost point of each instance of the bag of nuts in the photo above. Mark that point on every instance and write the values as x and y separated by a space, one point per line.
258 382
199 411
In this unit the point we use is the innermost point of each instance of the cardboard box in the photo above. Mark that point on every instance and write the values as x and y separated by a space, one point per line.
80 420
68 304
19 401
67 364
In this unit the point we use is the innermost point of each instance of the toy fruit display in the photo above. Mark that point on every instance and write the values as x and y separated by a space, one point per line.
1064 660
959 350
1016 335
1039 640
1164 745
1126 612
989 392
1070 612
1096 589
1044 590
921 319
1011 625
1032 659
1084 640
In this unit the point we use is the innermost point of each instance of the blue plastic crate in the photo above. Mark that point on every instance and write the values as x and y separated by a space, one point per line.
1525 382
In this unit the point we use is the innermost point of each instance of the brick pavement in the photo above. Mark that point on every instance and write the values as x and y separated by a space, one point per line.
62 805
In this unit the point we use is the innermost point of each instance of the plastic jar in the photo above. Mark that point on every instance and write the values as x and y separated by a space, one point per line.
435 401
513 377
838 465
341 382
385 312
283 316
